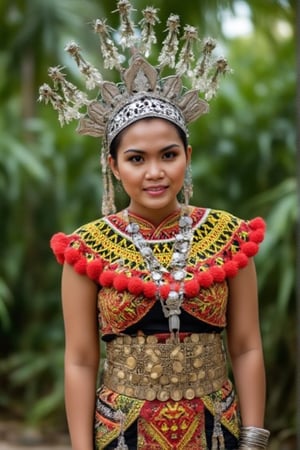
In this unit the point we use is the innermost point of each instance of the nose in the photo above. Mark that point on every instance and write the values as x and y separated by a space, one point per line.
154 171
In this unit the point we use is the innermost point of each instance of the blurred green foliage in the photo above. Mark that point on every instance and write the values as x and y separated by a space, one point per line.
243 161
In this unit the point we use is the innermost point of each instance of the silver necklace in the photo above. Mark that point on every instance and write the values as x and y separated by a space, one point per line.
172 306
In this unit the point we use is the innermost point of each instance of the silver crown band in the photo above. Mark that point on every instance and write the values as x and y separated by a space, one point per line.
144 106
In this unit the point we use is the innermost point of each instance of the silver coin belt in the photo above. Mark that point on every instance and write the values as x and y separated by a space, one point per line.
145 368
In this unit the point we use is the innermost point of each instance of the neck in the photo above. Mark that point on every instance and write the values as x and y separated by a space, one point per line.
155 216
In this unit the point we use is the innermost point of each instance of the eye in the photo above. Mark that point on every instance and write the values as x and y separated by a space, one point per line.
135 159
170 154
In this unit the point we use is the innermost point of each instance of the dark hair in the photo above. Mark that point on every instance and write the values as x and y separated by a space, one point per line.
113 149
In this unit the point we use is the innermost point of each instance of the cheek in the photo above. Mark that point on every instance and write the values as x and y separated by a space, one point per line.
129 177
180 170
126 171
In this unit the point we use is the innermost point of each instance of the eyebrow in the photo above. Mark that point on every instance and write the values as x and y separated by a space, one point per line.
136 150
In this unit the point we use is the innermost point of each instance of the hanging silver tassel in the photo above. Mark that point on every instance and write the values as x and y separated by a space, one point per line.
121 439
188 185
218 437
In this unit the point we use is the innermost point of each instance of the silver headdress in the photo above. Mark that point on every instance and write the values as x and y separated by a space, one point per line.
142 91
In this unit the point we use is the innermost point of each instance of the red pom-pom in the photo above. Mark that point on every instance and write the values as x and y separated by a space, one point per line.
150 289
164 291
250 248
120 282
205 279
241 259
58 244
231 268
191 288
72 255
218 274
80 266
106 278
135 285
257 223
257 236
60 258
94 268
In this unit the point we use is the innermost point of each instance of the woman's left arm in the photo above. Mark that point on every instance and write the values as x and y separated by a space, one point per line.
245 346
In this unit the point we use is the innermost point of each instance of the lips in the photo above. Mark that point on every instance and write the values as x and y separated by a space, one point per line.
155 190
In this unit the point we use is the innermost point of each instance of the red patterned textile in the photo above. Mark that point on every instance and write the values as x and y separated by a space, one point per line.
172 425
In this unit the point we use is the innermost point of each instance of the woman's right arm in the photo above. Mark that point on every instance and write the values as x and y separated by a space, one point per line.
79 302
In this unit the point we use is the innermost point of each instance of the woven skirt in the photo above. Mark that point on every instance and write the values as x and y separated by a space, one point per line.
211 422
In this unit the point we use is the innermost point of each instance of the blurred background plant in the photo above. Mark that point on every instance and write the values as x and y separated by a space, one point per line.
244 160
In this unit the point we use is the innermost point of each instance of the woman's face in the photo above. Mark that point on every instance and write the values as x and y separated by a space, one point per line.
151 162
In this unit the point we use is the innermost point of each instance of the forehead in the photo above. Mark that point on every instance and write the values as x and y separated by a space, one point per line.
150 128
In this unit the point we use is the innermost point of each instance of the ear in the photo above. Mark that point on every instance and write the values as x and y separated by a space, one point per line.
114 167
189 151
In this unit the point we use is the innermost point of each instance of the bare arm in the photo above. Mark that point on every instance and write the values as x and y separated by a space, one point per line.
245 347
79 298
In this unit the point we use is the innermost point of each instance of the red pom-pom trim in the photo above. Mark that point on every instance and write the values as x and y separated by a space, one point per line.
257 223
106 278
60 258
205 279
191 288
218 274
135 285
94 269
250 248
72 255
80 266
231 268
241 259
164 291
256 236
120 282
58 244
150 289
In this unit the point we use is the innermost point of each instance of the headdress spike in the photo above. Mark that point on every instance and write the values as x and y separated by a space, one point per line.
111 56
186 56
171 43
148 36
127 28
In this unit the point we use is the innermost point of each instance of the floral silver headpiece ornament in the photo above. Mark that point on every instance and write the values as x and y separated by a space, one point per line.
142 91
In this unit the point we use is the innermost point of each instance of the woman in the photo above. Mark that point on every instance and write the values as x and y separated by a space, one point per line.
159 281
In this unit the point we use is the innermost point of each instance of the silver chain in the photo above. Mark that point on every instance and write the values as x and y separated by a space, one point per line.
172 306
